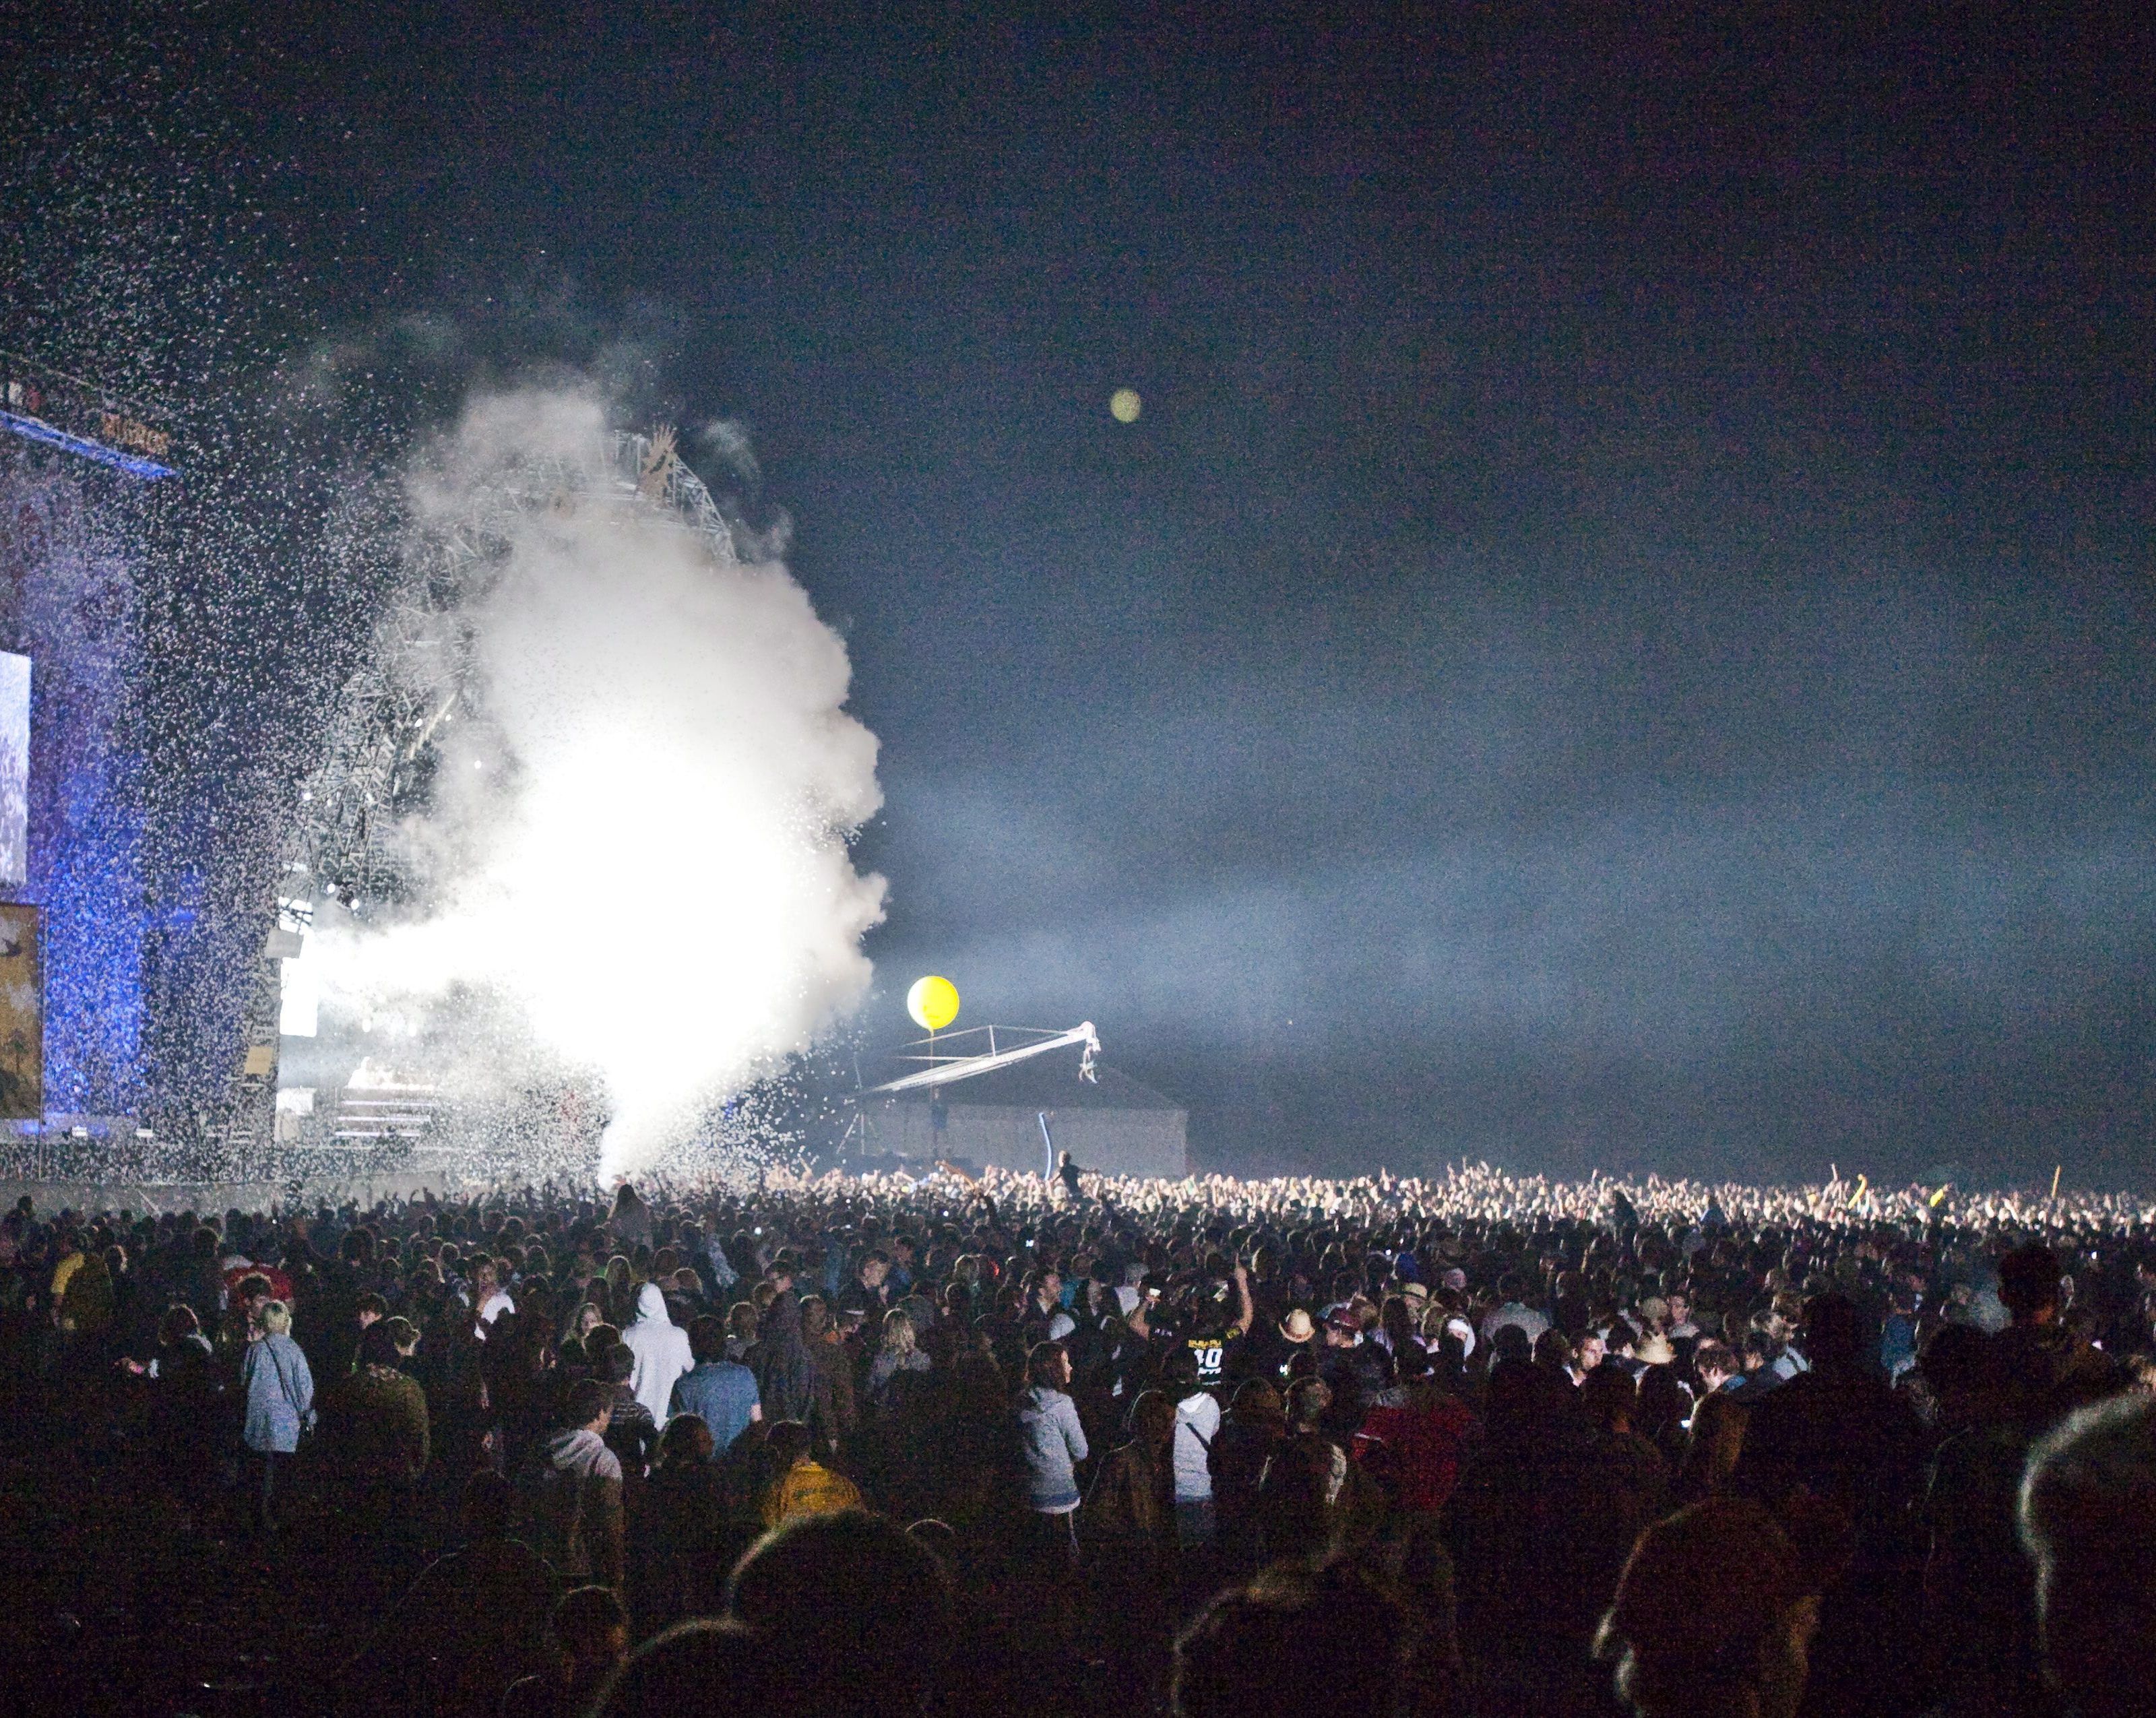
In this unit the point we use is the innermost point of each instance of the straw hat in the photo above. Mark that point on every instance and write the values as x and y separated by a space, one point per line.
1297 1326
1655 1351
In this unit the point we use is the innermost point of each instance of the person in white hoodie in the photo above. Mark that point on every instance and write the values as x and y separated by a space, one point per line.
661 1348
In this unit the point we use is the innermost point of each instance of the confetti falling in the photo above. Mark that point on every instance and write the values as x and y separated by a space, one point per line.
237 607
600 776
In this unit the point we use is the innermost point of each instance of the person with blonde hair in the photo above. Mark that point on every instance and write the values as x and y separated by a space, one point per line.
279 1393
897 1351
588 1315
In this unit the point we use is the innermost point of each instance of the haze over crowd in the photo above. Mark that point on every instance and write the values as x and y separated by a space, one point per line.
1617 639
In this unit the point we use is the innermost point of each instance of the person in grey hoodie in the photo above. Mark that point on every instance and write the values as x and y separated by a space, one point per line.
1053 1443
580 1508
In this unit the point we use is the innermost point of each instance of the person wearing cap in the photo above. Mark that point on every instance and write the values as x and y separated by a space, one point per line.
1653 1349
1448 1338
1353 1368
1274 1346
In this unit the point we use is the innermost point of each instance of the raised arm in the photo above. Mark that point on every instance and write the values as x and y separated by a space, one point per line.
1246 1314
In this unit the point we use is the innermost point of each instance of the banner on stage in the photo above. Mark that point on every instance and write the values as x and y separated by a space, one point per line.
21 1012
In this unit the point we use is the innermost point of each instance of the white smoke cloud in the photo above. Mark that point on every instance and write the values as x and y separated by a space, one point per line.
643 844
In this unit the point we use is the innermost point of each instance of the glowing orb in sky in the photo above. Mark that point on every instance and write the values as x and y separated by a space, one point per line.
933 1003
1124 405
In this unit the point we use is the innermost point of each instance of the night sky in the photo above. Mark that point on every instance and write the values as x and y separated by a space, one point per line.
1623 636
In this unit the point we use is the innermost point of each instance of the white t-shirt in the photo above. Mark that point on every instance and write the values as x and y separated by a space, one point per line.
1196 1424
493 1307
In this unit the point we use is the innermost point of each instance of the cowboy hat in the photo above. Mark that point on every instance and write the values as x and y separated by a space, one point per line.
1297 1326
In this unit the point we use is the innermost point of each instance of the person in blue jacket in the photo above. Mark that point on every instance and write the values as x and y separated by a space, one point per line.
280 1393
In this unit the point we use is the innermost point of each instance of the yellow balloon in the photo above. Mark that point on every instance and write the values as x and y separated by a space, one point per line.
1124 405
933 1003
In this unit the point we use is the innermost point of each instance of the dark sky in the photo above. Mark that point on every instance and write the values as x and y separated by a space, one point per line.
1624 635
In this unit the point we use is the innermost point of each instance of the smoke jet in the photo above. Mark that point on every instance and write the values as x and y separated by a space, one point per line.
640 827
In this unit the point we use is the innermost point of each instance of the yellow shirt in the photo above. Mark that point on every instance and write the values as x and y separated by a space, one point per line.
64 1273
808 1488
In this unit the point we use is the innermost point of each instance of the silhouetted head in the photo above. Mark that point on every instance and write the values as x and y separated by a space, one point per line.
889 1588
2088 1519
1292 1643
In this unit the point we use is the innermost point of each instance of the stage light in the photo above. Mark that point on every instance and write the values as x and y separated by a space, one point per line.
36 429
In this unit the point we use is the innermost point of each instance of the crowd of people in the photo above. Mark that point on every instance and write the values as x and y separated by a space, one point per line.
1474 1445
